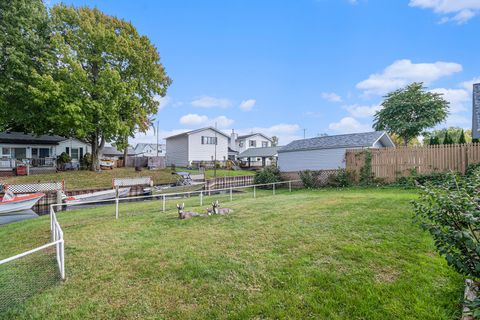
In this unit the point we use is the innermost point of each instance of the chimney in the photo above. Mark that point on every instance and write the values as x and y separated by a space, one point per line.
476 111
233 140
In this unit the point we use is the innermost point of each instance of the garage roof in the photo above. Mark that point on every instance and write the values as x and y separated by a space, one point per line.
352 140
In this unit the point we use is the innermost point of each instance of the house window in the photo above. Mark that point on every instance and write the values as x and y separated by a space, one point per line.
252 143
75 155
240 144
6 152
19 153
44 152
264 144
209 140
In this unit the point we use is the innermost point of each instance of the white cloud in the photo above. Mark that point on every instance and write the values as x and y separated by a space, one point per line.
459 11
458 98
349 125
359 111
403 72
221 122
193 119
331 96
151 137
163 101
247 105
468 85
457 120
211 102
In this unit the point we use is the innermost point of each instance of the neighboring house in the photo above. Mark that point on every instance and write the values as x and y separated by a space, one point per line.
150 150
324 153
114 154
38 150
206 144
259 157
253 140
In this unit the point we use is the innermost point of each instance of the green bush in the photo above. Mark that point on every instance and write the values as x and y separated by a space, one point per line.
343 178
86 161
63 158
268 175
309 178
450 212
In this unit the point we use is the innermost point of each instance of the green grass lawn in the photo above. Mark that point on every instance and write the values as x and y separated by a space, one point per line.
103 179
326 254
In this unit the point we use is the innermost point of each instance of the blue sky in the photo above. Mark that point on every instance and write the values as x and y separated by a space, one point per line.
322 65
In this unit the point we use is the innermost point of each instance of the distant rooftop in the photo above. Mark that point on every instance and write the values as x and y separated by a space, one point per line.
352 140
259 152
27 138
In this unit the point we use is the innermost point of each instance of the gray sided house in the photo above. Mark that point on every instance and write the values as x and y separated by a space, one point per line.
37 151
327 153
206 144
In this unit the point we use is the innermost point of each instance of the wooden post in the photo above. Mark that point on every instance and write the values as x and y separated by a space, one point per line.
163 203
290 186
231 194
254 192
116 201
201 198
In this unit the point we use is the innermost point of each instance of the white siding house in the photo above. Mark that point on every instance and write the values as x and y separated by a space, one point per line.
206 144
326 153
150 150
254 140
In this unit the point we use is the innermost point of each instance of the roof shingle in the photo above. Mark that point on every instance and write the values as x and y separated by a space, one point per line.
353 140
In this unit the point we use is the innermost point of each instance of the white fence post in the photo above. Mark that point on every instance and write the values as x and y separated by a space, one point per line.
201 198
116 201
231 194
62 259
274 188
290 186
254 192
163 203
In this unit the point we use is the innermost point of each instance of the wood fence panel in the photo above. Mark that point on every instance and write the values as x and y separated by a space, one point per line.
390 163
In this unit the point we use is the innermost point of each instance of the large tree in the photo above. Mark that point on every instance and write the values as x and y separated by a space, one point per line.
107 79
25 57
409 111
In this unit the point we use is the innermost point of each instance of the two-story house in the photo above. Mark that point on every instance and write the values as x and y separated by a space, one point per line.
196 146
252 149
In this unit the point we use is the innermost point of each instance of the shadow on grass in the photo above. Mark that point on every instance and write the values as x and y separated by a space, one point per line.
26 277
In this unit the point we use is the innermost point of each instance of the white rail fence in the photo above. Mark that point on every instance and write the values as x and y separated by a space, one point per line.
201 194
57 241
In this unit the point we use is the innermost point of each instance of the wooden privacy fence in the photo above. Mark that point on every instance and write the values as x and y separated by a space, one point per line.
391 163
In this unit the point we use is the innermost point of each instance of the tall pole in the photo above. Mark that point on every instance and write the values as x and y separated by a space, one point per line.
304 133
215 161
158 124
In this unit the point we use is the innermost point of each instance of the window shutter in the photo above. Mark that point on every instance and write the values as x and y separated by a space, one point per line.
81 153
67 150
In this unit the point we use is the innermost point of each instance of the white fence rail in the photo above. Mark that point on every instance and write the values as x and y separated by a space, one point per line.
57 233
57 242
201 194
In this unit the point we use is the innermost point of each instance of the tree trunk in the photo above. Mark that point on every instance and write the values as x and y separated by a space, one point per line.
405 141
125 155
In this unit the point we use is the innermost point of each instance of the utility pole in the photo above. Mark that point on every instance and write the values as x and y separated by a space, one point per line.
215 161
158 124
304 133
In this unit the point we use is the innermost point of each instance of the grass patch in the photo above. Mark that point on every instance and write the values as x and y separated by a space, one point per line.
321 254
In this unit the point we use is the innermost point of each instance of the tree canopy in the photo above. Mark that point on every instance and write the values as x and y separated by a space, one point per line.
409 111
24 57
100 82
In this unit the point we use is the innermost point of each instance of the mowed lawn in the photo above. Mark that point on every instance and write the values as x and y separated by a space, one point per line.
322 254
85 179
